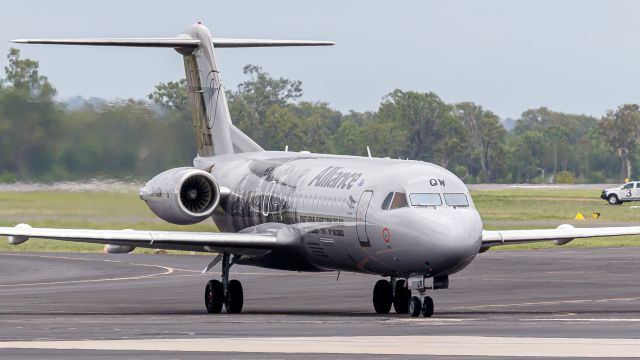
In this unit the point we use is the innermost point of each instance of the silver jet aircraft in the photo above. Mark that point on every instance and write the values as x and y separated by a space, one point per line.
411 222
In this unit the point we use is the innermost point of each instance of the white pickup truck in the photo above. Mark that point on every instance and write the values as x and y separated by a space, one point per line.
627 192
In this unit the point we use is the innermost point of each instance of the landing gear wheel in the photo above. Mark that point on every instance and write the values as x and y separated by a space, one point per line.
415 306
382 297
613 200
427 307
401 298
214 297
235 297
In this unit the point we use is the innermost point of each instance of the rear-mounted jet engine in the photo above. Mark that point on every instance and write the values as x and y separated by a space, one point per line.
182 196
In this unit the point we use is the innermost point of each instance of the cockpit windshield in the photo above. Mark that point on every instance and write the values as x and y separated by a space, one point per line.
456 199
425 199
395 200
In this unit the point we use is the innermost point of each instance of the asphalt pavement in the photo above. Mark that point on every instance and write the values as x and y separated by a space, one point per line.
543 303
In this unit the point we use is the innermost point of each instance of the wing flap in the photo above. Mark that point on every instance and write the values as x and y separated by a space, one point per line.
562 235
173 240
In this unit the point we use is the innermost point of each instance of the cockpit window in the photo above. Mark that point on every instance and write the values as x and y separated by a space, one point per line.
425 199
399 201
456 199
387 201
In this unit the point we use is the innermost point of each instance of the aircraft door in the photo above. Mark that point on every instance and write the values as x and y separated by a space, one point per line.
361 217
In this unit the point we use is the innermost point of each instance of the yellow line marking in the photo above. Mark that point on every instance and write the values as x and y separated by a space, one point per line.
167 271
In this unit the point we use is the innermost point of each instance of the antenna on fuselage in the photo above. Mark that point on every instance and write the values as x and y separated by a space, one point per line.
368 151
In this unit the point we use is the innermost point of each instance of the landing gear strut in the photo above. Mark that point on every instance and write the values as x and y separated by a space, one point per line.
228 292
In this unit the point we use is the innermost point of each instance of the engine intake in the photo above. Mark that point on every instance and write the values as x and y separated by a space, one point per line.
182 196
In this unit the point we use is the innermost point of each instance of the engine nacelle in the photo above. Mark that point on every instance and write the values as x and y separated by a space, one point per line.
118 249
182 196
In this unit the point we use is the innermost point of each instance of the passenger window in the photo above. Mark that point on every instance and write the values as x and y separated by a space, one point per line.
387 201
628 186
456 199
425 199
399 201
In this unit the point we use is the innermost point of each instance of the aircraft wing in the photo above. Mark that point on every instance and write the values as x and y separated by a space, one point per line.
238 243
560 236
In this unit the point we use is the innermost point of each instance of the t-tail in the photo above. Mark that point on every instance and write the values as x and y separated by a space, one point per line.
214 130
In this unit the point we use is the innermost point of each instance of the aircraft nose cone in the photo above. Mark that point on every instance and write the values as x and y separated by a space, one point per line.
456 236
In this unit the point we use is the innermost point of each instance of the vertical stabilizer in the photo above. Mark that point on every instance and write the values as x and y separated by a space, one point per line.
210 112
215 134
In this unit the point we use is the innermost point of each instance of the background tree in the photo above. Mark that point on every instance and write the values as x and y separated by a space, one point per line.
485 136
422 114
621 130
30 123
251 101
22 75
171 96
44 140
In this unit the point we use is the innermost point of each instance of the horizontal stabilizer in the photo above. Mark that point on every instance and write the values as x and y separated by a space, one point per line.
239 43
132 42
178 42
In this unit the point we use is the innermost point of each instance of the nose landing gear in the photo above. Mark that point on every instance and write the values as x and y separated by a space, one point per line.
419 307
228 292
423 304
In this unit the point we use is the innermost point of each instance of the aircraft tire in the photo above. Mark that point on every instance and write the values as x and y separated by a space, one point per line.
235 297
214 297
427 307
415 306
401 298
382 297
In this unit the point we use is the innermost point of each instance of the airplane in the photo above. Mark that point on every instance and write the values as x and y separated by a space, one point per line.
411 222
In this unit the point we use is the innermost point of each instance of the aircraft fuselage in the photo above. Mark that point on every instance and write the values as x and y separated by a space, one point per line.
335 204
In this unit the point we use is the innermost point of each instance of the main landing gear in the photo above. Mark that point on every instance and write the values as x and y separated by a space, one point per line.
397 292
226 292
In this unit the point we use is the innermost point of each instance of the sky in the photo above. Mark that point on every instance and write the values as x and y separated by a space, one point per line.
508 56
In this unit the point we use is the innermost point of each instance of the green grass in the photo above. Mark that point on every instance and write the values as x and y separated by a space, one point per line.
546 204
547 208
500 209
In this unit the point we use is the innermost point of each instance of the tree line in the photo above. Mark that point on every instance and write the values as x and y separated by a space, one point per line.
43 140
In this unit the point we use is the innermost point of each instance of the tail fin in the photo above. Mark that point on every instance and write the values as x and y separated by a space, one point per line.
215 133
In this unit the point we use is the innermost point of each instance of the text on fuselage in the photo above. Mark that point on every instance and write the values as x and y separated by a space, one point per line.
332 177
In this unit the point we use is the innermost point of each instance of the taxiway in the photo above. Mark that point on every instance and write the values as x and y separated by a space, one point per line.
544 303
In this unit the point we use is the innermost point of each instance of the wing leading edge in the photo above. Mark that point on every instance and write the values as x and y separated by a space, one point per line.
560 236
248 244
